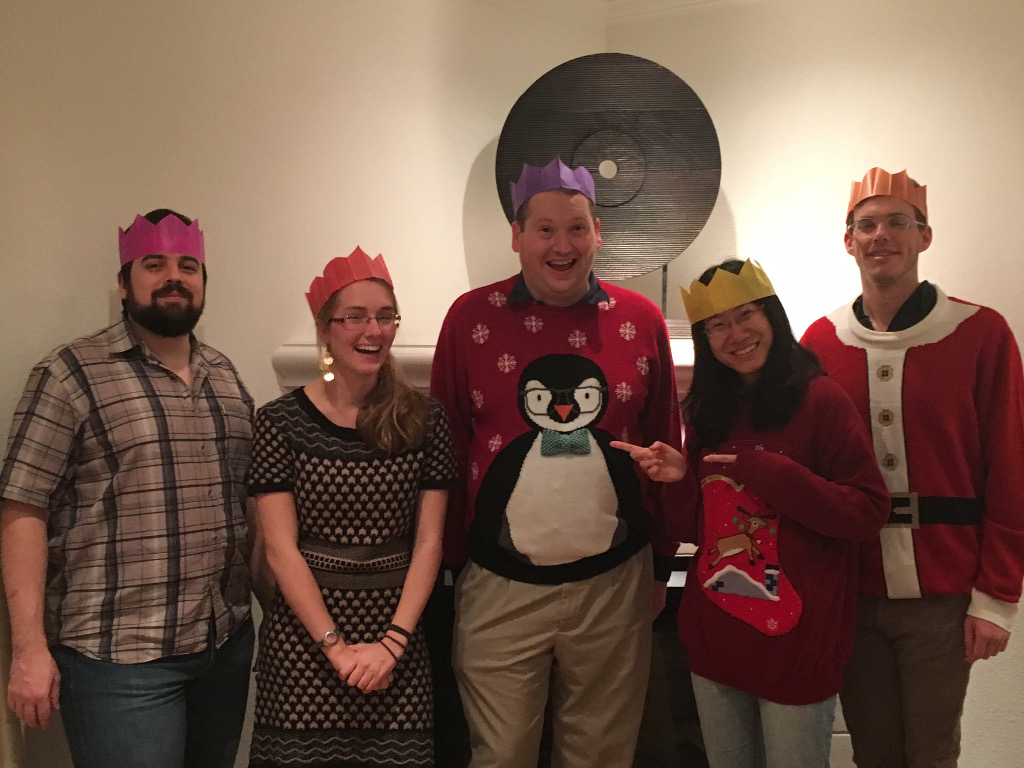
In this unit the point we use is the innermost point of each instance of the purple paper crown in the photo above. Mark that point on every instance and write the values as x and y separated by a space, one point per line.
554 175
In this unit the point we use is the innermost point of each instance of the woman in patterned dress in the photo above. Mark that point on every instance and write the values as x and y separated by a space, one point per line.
350 476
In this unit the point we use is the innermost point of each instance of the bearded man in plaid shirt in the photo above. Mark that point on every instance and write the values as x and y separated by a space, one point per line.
124 536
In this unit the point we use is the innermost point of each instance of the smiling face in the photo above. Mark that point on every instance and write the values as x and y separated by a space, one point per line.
556 245
740 338
360 350
164 293
886 257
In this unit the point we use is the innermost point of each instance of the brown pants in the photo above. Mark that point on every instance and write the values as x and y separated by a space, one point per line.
904 688
586 643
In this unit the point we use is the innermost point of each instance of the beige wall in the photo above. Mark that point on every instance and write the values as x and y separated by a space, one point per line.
293 131
296 130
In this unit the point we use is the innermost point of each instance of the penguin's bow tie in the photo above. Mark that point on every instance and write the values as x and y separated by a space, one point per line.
553 443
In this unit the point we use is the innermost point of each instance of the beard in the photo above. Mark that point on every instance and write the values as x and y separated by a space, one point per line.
171 320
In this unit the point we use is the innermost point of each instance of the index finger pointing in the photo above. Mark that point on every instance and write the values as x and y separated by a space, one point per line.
628 447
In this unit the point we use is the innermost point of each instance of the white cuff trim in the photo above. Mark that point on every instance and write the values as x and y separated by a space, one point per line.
999 612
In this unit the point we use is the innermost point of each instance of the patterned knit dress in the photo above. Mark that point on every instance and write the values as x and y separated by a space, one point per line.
356 510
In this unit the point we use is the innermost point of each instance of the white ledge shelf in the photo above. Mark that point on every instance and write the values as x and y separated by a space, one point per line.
296 364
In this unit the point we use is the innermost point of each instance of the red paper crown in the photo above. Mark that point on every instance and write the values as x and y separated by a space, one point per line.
342 271
169 235
878 181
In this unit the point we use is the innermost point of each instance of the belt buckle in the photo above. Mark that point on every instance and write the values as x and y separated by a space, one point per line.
904 512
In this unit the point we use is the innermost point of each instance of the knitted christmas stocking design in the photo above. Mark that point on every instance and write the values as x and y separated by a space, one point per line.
738 561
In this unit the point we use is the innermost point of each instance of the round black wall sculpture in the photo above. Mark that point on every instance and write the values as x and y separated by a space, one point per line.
643 134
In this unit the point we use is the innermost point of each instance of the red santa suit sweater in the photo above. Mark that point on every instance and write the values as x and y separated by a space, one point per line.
944 400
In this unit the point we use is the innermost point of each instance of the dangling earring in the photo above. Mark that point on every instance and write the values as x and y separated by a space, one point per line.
326 361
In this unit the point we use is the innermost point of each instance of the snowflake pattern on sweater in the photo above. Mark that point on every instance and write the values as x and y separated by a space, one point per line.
485 347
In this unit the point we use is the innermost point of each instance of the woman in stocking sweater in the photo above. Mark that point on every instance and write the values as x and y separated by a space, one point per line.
778 486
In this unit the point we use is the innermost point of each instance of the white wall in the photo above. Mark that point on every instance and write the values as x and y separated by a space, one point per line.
807 95
293 131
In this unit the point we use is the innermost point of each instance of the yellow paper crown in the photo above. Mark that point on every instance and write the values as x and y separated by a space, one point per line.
725 291
878 181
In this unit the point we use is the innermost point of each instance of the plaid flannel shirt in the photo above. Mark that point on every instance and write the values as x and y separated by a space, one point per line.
143 478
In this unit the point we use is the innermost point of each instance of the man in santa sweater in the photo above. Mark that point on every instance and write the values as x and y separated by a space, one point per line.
539 373
939 382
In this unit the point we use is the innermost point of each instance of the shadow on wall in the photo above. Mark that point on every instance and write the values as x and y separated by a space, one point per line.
486 235
715 244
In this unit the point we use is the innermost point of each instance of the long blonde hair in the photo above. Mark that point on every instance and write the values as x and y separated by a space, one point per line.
394 416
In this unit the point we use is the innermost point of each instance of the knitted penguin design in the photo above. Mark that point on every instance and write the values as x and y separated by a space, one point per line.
550 496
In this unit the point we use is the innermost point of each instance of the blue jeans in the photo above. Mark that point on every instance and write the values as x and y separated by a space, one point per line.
172 712
742 731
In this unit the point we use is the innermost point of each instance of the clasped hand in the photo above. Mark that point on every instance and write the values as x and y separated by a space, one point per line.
365 666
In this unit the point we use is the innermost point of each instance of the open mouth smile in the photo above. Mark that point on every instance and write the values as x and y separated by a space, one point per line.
562 265
744 351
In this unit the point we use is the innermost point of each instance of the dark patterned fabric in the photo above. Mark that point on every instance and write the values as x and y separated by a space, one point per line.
356 514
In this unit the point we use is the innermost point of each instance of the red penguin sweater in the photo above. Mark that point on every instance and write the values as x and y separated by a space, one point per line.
535 394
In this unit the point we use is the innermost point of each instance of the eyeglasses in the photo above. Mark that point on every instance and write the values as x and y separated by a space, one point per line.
896 222
537 399
744 318
362 319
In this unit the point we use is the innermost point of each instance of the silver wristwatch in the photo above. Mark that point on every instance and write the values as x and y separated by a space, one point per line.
330 638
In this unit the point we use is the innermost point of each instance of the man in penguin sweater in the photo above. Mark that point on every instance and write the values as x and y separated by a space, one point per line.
539 373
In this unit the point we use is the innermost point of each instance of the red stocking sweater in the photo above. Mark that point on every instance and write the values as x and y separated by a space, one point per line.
944 400
770 599
535 394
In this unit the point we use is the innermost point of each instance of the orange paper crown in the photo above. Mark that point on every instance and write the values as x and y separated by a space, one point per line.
725 291
342 271
878 181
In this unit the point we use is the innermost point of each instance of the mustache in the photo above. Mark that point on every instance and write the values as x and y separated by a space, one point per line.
174 287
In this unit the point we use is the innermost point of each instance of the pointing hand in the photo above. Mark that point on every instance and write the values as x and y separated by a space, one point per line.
661 462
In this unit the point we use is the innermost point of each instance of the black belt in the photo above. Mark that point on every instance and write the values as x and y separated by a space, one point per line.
912 511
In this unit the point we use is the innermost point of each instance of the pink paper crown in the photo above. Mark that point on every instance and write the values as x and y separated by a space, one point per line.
169 235
554 175
880 182
344 270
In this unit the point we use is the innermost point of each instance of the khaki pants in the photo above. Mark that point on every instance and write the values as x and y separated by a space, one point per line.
587 644
904 688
